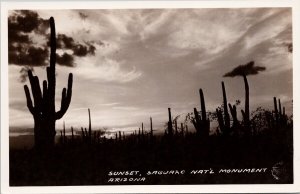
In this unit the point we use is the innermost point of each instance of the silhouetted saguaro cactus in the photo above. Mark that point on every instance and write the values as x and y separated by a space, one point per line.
176 127
43 108
72 131
186 129
120 136
201 123
151 128
245 70
170 127
224 118
90 127
82 133
280 119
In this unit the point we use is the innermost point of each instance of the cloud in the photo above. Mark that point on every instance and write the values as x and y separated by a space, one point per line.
268 28
21 51
106 70
65 42
155 59
28 55
65 59
28 45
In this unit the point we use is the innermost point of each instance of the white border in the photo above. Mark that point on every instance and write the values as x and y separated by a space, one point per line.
5 6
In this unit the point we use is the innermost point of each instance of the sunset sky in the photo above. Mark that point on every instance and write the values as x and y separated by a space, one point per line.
129 65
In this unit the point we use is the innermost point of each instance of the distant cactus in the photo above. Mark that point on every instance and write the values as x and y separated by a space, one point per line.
233 112
120 136
72 131
186 129
176 127
151 128
279 119
82 133
170 127
181 130
43 110
224 118
201 123
90 127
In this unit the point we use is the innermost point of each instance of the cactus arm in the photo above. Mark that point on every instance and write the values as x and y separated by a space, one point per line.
29 101
59 114
38 91
35 89
197 117
65 98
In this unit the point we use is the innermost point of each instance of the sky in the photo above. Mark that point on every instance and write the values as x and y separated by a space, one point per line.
129 65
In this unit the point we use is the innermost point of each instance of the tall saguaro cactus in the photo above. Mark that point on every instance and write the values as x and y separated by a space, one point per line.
43 108
201 123
245 70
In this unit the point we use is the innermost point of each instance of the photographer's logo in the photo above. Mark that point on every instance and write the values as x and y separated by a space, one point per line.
278 170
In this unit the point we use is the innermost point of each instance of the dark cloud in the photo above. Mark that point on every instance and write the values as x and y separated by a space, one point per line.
22 51
28 55
247 69
80 50
24 21
64 42
65 60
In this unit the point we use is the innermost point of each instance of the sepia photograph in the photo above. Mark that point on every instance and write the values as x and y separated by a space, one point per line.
149 96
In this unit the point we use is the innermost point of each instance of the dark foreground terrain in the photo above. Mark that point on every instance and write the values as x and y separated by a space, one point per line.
264 158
